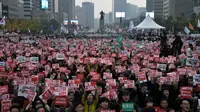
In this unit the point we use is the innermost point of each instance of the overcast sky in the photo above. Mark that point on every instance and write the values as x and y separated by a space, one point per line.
106 5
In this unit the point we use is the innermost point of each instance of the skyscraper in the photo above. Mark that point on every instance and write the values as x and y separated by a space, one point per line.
177 8
131 11
119 6
149 5
28 9
88 8
71 9
158 8
80 14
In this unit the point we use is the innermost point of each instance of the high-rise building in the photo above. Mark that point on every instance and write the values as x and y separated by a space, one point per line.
183 8
110 17
177 8
196 3
132 11
88 8
80 14
28 4
119 6
158 8
149 5
71 9
51 5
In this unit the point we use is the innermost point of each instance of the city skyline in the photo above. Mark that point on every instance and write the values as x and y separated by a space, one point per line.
108 6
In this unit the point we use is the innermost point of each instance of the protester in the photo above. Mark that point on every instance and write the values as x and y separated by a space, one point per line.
54 73
14 109
189 51
177 46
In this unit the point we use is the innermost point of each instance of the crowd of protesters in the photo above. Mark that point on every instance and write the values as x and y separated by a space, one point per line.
56 74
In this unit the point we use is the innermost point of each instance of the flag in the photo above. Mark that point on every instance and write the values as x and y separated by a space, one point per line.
131 26
29 31
119 40
187 31
75 32
198 24
41 31
63 29
190 26
3 21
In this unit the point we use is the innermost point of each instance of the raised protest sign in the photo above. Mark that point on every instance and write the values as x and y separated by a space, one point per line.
196 79
46 95
22 91
191 62
21 59
60 101
60 56
34 59
3 89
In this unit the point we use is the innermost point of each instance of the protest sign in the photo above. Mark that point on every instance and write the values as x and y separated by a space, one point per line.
107 75
186 92
191 62
142 77
2 64
34 59
129 84
46 95
162 67
60 56
196 79
60 101
21 59
181 71
90 86
111 82
127 107
30 95
60 91
22 91
5 106
73 84
3 89
5 97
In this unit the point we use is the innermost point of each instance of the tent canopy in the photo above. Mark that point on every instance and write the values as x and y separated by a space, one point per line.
148 23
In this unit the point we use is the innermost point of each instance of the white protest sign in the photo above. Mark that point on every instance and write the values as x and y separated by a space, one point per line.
21 59
191 62
34 59
196 79
60 56
22 90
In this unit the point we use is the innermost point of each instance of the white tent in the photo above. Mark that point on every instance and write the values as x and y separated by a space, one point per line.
148 23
